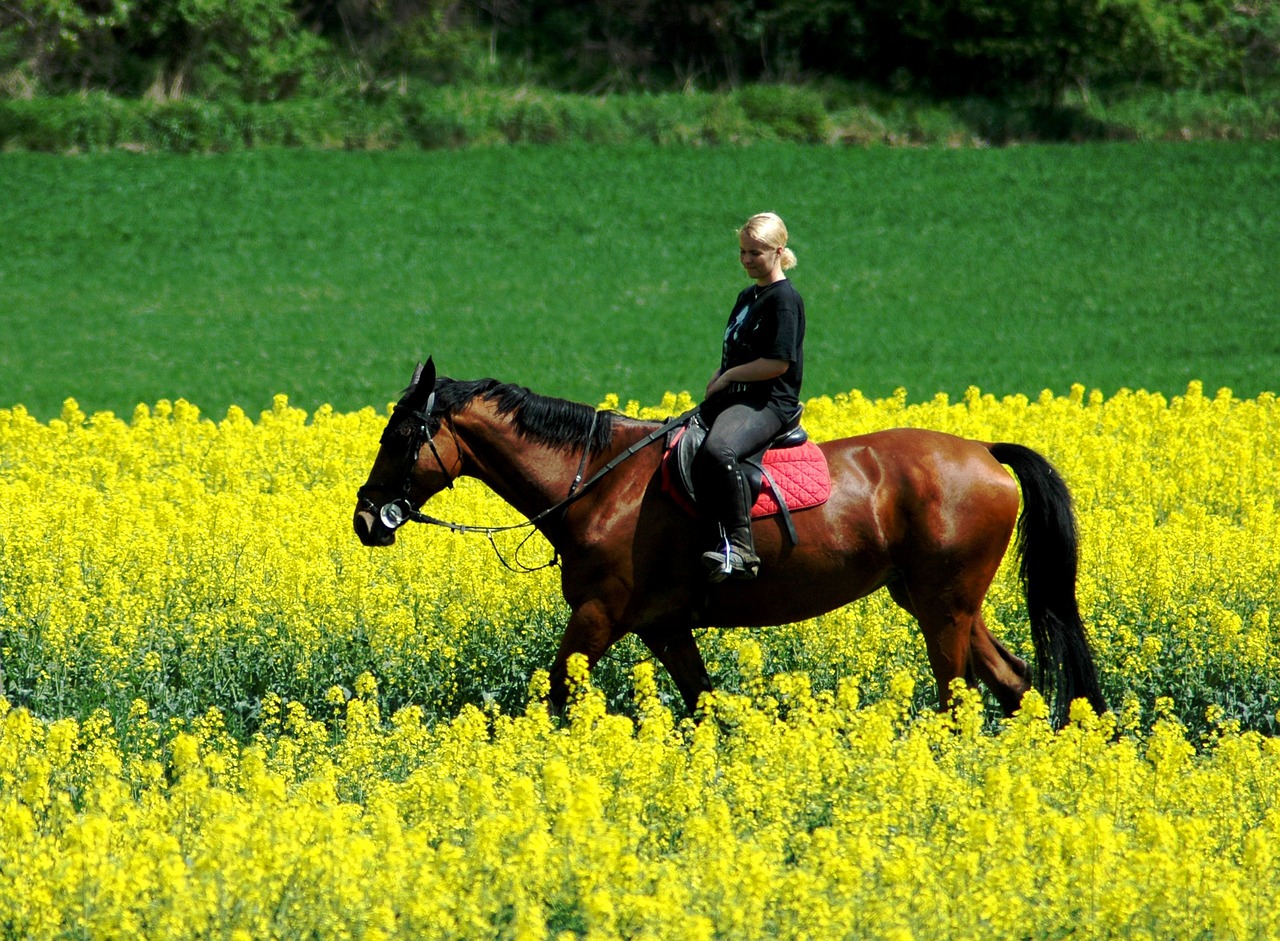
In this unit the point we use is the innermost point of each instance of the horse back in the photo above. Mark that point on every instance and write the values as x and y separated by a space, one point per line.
902 500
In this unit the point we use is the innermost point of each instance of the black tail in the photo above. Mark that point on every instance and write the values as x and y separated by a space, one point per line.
1049 546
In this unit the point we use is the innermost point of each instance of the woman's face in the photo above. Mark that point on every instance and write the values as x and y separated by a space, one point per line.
760 262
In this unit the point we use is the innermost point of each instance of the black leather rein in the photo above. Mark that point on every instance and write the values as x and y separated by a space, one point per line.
399 511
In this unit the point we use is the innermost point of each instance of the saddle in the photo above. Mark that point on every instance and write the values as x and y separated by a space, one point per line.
790 473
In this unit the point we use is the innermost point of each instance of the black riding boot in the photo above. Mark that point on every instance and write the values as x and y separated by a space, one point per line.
735 556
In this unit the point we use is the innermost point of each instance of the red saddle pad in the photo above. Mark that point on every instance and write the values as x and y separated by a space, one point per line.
801 474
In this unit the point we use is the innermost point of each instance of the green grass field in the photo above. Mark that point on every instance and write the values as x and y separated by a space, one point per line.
580 272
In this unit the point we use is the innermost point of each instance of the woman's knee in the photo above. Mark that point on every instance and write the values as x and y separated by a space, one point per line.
716 452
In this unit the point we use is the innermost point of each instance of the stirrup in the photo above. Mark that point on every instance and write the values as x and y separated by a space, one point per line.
727 561
719 562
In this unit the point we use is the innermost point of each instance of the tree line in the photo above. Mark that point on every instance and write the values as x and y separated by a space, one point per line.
271 50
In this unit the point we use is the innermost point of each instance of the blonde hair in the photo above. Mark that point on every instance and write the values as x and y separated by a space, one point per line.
767 228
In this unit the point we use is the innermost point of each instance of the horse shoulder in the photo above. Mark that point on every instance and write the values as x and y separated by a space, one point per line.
606 526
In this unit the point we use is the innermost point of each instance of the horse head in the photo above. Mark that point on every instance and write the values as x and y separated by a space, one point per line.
412 464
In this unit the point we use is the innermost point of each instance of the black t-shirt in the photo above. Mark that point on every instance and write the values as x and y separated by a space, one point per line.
766 323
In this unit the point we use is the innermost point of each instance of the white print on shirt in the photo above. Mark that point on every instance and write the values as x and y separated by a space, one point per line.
736 325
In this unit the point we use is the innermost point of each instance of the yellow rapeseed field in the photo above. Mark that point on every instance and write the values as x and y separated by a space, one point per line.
224 718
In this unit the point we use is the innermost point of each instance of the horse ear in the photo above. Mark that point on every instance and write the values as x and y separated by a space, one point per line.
423 384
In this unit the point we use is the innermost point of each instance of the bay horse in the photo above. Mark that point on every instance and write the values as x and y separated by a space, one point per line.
925 515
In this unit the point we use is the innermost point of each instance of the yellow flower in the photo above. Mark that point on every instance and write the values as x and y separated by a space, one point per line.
185 766
366 685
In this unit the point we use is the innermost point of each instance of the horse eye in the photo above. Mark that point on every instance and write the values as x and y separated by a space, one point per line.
397 429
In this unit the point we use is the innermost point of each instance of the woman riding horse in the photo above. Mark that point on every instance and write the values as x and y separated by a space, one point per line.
754 393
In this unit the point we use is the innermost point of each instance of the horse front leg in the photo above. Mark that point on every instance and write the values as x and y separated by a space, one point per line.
676 649
591 631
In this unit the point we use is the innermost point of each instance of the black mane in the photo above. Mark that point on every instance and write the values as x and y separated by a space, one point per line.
556 423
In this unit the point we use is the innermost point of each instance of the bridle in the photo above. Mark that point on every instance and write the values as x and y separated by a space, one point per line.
399 510
396 512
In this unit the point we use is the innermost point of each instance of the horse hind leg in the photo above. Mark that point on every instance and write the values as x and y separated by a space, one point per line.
1007 675
961 646
947 630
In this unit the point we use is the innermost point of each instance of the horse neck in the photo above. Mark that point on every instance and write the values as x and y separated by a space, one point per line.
532 476
527 474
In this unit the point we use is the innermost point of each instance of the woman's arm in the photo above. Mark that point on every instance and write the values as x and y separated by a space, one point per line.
758 370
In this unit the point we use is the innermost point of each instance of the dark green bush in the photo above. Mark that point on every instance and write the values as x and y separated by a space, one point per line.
188 126
73 123
790 113
433 118
278 50
593 121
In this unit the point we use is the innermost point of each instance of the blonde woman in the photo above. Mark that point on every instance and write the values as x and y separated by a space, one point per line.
754 393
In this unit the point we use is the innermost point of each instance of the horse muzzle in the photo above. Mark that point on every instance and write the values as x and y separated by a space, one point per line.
371 531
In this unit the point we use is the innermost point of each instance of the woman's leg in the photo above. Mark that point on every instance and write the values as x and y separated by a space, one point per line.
737 432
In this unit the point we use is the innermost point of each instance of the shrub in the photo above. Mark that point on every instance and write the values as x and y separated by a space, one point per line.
790 113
